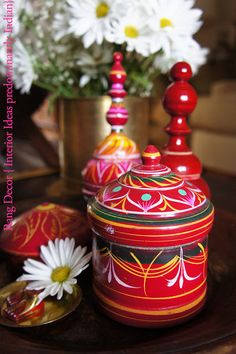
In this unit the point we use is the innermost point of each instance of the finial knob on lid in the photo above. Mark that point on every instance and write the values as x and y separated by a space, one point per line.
117 115
151 156
179 101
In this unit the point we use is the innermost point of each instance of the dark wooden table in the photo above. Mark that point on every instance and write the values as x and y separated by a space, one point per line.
89 331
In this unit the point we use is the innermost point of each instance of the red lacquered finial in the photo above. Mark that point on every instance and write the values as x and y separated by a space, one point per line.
180 97
151 156
179 101
181 71
117 73
117 114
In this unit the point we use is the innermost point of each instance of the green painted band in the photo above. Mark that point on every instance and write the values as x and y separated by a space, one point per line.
114 216
154 178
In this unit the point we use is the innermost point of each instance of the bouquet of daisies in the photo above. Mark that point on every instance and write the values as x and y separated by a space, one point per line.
66 46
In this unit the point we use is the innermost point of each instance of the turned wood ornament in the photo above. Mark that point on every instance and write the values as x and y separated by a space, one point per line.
150 232
179 101
116 154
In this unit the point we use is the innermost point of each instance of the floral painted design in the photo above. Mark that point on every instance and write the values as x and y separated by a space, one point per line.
151 269
181 273
179 197
111 272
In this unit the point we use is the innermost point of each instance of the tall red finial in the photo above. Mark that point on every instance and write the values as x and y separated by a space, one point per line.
117 115
179 101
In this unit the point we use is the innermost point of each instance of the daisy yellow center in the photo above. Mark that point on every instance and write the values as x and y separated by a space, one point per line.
102 9
165 22
60 274
131 32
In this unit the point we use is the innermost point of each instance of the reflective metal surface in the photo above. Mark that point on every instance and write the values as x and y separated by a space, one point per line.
54 309
83 125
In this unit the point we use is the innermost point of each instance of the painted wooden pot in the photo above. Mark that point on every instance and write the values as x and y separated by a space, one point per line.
150 231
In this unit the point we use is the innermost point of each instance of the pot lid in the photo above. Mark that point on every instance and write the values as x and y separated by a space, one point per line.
37 226
151 198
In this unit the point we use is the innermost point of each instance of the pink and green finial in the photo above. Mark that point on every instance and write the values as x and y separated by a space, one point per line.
117 115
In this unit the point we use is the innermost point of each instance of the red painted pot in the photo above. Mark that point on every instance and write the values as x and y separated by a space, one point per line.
150 231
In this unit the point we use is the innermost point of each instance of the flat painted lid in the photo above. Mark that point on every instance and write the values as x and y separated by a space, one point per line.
37 226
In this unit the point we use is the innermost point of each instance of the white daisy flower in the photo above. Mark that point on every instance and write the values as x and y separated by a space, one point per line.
60 21
23 75
98 55
60 26
91 60
15 11
172 20
88 18
190 51
132 29
62 263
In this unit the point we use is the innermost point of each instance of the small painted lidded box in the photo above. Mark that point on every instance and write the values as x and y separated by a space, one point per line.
150 233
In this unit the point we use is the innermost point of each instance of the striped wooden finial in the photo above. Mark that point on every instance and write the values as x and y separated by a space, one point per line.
117 115
151 156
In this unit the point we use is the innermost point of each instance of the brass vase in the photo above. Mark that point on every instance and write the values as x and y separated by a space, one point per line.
83 125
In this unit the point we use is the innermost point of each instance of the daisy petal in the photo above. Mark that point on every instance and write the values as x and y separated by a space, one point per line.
53 253
43 294
38 284
84 260
33 270
57 250
60 292
70 250
35 264
77 255
31 277
62 251
67 247
54 289
72 281
47 258
67 287
78 270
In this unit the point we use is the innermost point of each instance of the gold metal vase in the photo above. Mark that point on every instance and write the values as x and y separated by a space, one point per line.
83 125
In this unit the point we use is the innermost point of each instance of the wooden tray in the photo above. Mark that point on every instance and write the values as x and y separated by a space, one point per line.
88 331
